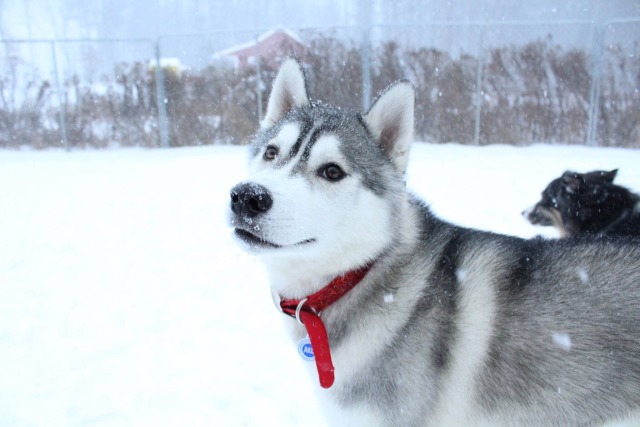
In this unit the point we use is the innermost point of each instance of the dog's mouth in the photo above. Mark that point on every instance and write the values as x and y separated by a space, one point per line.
257 241
254 240
538 215
545 216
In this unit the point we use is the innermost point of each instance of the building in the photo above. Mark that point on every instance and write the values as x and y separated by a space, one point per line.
271 47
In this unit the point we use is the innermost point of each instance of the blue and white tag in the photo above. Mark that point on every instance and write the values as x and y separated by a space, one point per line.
305 350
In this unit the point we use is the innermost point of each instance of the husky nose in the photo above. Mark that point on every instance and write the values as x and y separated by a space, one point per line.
249 199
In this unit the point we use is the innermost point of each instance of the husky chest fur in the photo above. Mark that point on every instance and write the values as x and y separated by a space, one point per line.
427 323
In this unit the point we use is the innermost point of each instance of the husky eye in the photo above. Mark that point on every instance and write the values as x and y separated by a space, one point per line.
271 152
332 172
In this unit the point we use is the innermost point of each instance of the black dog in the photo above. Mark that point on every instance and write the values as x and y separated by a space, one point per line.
587 204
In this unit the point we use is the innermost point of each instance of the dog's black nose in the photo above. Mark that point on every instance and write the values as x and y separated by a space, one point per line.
249 199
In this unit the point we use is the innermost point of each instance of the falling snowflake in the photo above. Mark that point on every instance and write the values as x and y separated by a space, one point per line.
584 276
562 340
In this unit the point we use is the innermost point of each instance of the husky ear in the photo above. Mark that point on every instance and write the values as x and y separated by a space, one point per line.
289 91
390 120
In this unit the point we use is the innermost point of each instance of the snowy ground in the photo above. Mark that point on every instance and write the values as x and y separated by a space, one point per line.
124 302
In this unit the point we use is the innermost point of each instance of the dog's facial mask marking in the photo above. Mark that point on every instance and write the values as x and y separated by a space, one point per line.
314 161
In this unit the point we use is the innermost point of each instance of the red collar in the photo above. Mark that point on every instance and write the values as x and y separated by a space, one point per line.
307 312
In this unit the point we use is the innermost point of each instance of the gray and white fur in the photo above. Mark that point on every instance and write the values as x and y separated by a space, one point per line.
451 326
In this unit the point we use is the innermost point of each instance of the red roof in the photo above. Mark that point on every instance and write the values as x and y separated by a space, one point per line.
272 47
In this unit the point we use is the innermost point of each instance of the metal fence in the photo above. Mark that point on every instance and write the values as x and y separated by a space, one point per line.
79 67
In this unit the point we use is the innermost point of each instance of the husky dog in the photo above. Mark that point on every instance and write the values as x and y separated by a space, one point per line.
587 204
416 321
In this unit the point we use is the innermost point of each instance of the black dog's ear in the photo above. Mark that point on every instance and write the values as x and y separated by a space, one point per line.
572 181
600 177
609 176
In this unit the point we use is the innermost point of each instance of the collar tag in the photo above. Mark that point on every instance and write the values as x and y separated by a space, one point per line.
305 349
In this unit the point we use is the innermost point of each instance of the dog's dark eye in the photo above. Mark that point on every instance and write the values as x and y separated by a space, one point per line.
332 172
271 152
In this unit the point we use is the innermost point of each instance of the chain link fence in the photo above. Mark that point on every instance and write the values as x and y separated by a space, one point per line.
569 82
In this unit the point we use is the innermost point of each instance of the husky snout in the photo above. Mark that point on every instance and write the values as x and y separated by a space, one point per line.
249 199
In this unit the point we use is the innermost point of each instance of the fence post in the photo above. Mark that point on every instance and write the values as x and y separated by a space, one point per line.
163 122
476 125
63 105
366 67
596 80
258 79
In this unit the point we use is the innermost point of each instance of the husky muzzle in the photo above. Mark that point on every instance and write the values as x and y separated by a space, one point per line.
249 200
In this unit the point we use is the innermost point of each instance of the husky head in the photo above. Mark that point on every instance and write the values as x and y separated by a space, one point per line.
324 183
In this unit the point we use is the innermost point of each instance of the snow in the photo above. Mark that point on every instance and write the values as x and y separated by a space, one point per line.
562 340
583 274
125 302
461 275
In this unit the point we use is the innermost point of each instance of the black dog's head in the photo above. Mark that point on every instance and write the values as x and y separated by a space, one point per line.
581 203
